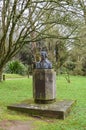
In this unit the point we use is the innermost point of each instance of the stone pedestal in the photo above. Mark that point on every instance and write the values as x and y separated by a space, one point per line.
44 85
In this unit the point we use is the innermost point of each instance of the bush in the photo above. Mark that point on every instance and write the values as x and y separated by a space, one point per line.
78 69
70 65
15 67
84 66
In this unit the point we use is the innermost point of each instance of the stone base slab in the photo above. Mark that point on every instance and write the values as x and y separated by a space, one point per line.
59 109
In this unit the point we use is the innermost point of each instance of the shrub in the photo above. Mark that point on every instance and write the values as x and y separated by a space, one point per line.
78 69
15 67
84 66
70 65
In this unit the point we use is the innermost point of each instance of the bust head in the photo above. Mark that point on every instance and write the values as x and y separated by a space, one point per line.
43 55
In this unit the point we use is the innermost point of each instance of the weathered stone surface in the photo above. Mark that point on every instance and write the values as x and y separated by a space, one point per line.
44 85
58 109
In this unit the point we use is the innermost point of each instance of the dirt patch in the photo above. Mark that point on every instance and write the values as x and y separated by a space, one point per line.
16 125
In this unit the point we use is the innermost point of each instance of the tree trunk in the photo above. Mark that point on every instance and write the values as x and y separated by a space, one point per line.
0 75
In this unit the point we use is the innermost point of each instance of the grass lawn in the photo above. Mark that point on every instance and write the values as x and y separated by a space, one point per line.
14 91
11 76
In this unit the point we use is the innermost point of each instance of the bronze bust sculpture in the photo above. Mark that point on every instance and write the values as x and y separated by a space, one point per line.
44 63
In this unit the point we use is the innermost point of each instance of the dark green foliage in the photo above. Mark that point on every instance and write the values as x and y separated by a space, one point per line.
26 57
70 65
84 66
15 67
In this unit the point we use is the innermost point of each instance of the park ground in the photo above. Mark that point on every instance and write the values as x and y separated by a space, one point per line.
16 89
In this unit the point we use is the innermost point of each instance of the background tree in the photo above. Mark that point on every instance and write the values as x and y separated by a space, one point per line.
72 17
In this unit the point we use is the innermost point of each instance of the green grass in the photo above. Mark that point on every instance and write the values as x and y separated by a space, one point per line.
9 76
14 91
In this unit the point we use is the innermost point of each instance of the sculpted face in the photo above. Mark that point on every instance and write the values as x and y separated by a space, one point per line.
43 57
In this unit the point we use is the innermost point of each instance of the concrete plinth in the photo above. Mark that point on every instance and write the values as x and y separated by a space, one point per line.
44 85
58 109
